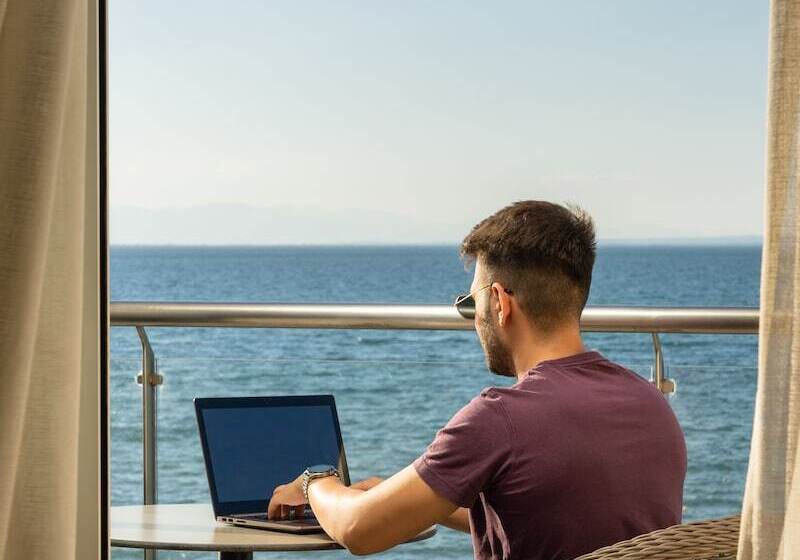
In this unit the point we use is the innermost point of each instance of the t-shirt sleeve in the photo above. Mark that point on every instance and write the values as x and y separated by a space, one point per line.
468 453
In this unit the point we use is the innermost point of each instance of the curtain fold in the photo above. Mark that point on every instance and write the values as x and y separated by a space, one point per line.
770 526
49 324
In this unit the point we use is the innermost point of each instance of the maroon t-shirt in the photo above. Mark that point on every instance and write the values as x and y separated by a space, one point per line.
579 454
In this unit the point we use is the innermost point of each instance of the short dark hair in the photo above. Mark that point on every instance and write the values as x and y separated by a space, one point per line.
543 252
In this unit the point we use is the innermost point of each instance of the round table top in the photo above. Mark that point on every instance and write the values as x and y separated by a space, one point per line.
193 527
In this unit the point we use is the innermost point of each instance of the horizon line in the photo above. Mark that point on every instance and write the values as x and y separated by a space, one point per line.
664 241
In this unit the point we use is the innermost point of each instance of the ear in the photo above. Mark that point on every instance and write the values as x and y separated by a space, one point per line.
503 307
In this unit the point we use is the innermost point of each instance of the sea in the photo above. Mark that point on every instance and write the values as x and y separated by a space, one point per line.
395 389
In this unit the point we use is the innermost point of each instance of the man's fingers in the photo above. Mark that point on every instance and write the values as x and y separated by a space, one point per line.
300 511
273 508
284 504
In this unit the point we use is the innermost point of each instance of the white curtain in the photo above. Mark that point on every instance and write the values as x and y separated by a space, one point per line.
49 281
771 511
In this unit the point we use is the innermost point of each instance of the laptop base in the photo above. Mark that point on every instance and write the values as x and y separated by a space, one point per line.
296 526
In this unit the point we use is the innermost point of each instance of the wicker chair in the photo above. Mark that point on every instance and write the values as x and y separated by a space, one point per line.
715 539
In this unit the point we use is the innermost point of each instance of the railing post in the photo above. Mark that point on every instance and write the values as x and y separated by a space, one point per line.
149 379
664 384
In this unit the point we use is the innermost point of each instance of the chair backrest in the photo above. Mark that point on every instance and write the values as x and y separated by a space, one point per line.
714 539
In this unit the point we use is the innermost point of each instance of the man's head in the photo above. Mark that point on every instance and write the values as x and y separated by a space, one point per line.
537 258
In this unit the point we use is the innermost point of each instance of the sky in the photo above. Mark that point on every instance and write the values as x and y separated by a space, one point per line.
305 122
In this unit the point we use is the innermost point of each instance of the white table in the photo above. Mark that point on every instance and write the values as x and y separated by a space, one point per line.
193 527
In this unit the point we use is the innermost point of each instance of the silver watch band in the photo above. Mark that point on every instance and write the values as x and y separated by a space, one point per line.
308 476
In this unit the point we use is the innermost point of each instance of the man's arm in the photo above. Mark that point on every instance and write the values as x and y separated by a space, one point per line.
459 520
404 505
390 513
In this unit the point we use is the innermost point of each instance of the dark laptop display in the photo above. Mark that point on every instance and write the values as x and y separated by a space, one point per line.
253 444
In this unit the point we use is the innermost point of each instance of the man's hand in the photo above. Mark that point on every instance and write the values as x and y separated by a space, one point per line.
287 501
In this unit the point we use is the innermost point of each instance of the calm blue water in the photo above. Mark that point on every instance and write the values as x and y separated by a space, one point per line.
394 389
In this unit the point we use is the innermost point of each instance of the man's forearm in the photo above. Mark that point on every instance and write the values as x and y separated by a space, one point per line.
334 506
394 511
459 520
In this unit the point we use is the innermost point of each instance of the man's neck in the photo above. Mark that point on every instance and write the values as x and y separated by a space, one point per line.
538 348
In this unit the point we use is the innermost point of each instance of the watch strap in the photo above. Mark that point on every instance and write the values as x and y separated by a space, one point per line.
309 475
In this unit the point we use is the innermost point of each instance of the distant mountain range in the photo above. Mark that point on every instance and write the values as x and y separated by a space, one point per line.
736 240
247 225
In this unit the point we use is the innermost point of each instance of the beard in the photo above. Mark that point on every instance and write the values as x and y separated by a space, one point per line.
498 356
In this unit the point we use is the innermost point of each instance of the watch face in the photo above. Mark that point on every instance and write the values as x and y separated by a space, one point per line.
321 468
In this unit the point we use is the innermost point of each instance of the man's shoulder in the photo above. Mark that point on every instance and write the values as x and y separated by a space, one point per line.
592 362
486 408
487 401
489 394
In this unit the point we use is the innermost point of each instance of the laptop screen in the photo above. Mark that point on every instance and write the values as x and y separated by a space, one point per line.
253 444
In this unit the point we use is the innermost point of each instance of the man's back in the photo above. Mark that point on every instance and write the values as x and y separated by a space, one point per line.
579 454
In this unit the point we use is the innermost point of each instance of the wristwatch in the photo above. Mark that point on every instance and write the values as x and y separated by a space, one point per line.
317 471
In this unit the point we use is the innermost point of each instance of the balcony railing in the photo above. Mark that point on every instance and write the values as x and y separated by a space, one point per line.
727 320
653 320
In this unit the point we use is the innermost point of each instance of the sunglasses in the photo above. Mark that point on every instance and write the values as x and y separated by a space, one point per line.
465 303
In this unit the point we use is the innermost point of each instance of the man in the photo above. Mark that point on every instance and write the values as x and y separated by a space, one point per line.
578 454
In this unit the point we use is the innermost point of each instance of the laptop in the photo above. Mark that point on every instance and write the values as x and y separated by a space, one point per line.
253 444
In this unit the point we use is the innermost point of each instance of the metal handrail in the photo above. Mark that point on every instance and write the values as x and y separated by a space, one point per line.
700 320
653 320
